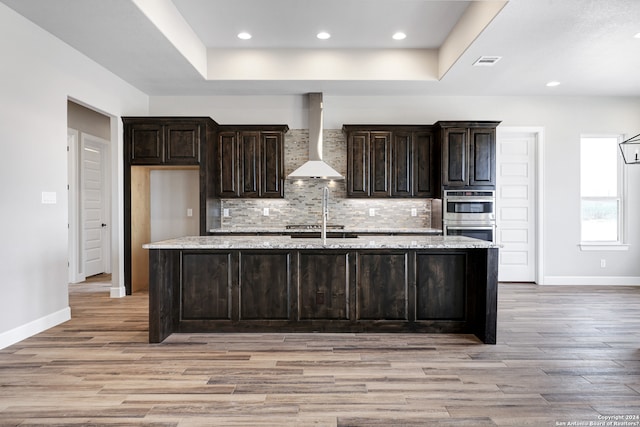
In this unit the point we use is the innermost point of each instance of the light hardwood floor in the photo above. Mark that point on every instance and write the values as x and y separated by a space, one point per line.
564 355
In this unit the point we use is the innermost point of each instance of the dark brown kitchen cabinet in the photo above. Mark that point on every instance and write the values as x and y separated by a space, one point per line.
250 161
226 165
152 143
380 164
146 143
390 161
324 285
382 284
451 290
272 164
424 161
260 302
358 164
441 286
164 141
468 154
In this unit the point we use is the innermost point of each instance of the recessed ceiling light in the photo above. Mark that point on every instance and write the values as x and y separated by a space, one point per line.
244 36
486 61
323 35
637 36
553 84
399 36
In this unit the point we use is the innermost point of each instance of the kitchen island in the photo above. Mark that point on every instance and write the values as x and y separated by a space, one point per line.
284 284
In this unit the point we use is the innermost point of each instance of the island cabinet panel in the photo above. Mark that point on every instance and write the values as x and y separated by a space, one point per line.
206 286
324 289
441 284
323 284
164 293
382 286
265 285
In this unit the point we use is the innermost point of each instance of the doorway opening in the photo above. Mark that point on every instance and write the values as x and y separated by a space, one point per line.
89 193
165 201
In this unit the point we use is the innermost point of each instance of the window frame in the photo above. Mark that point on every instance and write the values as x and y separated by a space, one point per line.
620 197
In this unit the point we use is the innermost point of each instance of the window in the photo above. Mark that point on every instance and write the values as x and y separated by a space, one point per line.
601 189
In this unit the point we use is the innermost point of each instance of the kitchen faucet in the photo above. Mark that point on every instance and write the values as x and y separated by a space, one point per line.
325 213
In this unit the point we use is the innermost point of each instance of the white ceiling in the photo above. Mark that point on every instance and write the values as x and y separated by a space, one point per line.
189 47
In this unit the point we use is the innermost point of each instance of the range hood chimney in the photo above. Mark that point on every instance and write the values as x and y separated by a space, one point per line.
315 167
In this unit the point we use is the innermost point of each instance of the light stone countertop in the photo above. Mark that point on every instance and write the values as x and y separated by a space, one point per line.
286 242
282 230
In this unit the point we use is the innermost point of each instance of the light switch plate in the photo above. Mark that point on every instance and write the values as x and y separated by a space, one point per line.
414 212
189 212
49 198
225 212
372 212
265 211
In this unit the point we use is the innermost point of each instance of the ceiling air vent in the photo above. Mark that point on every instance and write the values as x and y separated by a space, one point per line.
486 61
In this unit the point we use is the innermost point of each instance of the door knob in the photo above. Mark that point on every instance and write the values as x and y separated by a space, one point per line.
104 225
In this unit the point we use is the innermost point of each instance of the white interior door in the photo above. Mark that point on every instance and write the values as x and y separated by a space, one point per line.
516 200
94 207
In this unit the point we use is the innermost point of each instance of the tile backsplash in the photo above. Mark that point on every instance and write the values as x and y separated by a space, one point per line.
302 201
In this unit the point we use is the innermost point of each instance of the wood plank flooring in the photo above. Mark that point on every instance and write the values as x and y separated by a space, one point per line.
565 356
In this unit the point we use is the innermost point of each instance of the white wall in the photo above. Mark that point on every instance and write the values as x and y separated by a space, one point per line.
38 75
563 120
172 192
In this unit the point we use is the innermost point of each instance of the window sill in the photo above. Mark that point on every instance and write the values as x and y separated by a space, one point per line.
603 247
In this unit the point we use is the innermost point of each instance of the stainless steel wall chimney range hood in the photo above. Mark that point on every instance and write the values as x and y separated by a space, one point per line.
315 167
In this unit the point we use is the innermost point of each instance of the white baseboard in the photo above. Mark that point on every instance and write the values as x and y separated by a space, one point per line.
34 327
592 280
117 292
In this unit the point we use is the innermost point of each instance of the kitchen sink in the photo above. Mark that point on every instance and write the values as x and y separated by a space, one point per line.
318 234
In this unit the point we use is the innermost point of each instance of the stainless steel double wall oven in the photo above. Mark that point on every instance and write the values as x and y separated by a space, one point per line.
469 213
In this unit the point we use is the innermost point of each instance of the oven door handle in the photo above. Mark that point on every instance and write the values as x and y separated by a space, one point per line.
469 227
471 200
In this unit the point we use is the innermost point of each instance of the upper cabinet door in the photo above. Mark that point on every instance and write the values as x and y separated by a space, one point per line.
482 157
423 164
455 149
146 142
380 164
182 143
358 164
164 141
390 161
401 164
249 163
226 165
272 165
